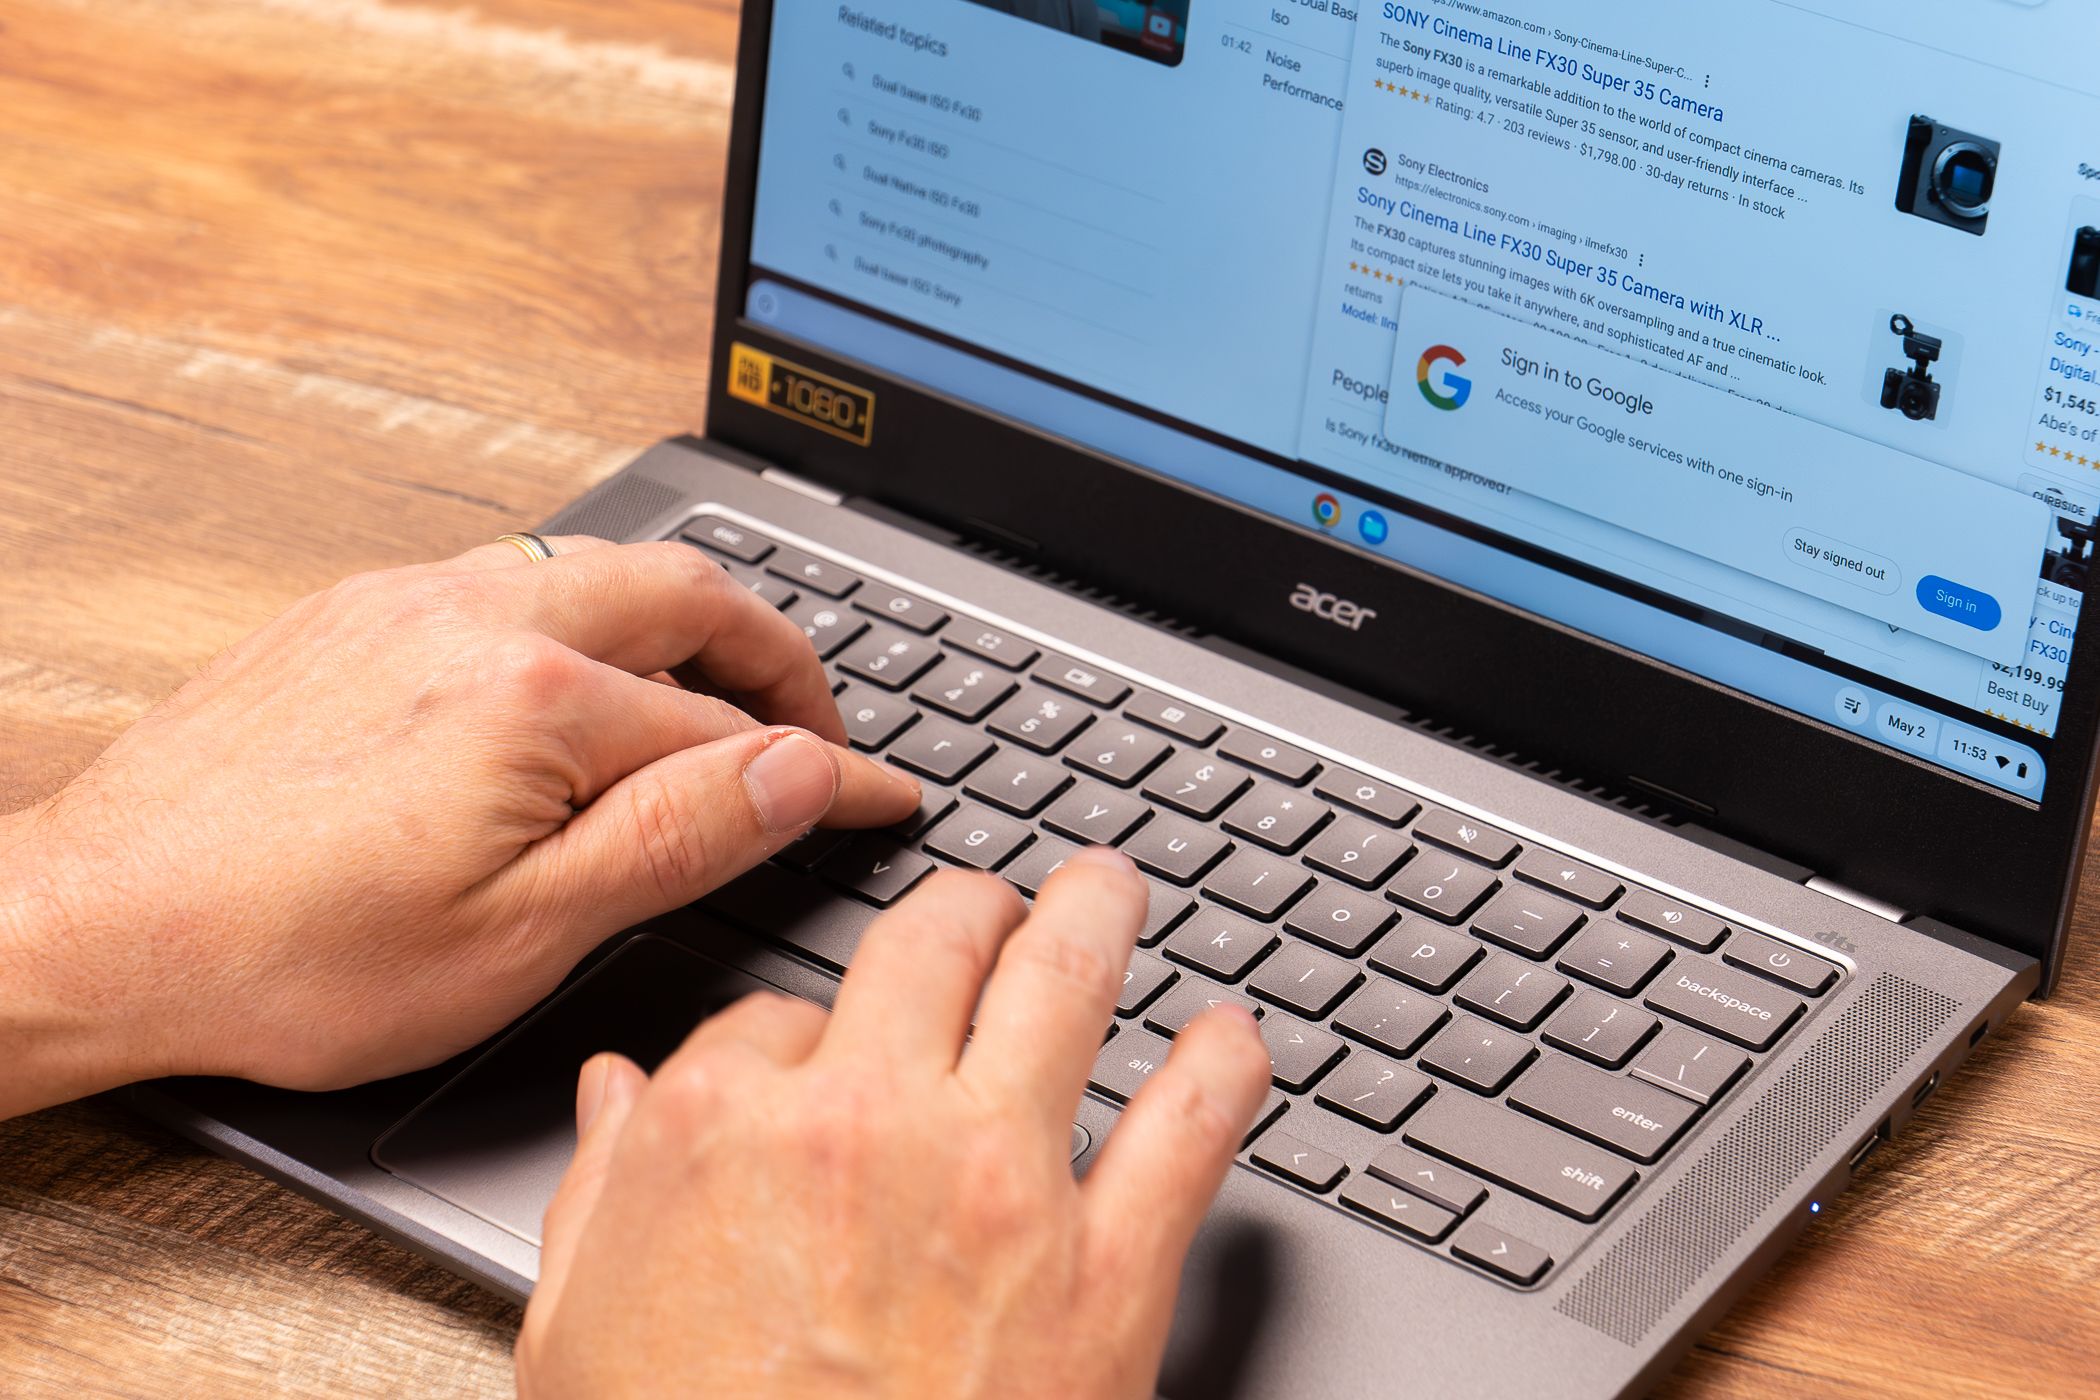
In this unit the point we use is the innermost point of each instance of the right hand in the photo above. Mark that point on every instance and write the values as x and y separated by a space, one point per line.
864 1205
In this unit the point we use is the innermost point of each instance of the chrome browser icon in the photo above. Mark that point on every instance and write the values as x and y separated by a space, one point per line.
1456 388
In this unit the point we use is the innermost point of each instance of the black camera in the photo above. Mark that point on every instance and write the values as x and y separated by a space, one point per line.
1947 176
1913 392
2084 280
2072 566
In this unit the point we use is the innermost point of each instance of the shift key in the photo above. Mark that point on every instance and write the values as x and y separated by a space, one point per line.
1543 1163
1733 1005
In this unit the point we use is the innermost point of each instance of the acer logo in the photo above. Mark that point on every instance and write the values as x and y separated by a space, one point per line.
1326 606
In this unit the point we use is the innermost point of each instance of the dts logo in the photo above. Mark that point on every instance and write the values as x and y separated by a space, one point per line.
1457 388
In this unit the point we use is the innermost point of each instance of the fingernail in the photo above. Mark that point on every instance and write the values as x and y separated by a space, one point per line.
590 1091
1241 1014
792 782
1107 857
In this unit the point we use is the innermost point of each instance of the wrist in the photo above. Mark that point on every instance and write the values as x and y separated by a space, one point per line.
66 1030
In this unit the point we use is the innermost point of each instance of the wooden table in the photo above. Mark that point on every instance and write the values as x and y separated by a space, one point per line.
291 288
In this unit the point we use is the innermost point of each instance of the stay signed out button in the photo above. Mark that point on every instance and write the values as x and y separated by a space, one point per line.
1945 598
1836 559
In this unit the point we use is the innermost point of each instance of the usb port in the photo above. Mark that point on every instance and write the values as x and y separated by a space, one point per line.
1977 1034
1925 1089
1863 1151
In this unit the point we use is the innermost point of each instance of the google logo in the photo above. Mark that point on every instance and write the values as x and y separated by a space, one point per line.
1457 388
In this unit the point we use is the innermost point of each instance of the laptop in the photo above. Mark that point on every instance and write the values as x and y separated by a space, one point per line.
1554 534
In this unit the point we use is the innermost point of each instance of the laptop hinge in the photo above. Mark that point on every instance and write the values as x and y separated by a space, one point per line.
808 488
1877 908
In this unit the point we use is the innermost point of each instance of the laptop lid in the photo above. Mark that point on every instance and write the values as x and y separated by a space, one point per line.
1701 401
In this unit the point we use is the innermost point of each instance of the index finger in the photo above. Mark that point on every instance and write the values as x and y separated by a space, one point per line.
650 607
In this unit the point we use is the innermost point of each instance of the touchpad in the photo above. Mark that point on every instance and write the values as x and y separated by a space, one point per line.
497 1138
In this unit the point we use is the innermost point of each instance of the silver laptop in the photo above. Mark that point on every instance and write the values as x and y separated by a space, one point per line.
1554 533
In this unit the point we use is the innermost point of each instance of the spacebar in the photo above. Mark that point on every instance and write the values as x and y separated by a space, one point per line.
795 910
1539 1161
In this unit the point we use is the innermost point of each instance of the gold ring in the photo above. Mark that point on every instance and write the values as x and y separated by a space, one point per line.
534 548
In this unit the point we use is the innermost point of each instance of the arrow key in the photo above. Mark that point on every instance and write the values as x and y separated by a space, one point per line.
1428 1178
1500 1252
1403 1211
1296 1161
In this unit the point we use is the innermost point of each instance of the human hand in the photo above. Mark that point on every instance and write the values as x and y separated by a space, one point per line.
861 1205
379 828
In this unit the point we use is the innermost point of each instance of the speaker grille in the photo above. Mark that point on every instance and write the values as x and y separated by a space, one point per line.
616 509
1668 1249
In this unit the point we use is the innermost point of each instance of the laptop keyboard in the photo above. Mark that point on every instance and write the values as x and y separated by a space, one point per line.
1466 1014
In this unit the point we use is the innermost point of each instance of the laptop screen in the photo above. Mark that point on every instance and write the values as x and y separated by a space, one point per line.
1758 339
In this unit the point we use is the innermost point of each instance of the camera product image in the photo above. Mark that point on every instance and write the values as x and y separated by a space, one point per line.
1913 392
1947 176
2084 280
2071 566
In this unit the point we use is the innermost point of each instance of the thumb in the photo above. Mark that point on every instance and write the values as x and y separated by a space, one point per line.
606 1091
693 820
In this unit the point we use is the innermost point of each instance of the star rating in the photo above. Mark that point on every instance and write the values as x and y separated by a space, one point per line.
2018 722
1375 274
2067 455
1399 91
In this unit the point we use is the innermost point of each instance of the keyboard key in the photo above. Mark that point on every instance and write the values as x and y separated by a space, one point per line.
1096 814
1553 871
1194 782
1298 1054
1190 998
733 540
1182 721
872 717
772 590
934 803
1125 1063
1522 1153
1435 884
1353 849
1271 756
827 625
1017 781
1511 990
1690 1063
1500 1252
805 851
1480 1056
1278 817
963 688
1117 752
1525 921
1303 979
1466 836
901 608
1768 957
875 867
1257 883
1402 1210
1626 1115
1038 863
1692 927
1272 1108
1147 976
1297 1161
1598 1028
1221 944
940 749
1337 917
1368 795
979 839
999 648
889 657
812 573
1391 1017
1430 956
1733 1005
1373 1090
1174 849
1615 957
1086 683
1164 908
1043 720
1428 1178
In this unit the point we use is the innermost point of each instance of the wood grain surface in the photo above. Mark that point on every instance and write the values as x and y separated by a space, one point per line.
291 288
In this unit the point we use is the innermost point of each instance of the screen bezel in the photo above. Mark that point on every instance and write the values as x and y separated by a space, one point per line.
1903 831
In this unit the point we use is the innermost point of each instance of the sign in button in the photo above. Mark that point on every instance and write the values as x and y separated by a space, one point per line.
1969 606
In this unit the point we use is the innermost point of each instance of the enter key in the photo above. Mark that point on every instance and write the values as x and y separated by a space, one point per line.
1625 1115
